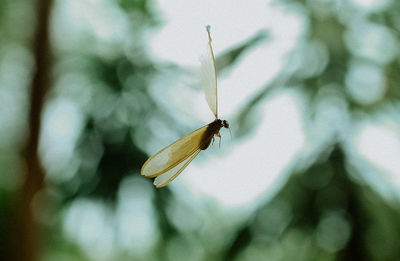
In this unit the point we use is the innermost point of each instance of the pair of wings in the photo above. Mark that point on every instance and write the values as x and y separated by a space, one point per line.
168 163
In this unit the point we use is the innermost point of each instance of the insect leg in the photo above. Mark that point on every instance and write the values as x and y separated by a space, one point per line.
219 136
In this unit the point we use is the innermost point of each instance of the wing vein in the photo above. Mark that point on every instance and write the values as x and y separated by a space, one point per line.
209 76
165 178
175 153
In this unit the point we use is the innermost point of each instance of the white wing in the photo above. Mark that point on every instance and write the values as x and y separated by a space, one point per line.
165 178
209 76
174 154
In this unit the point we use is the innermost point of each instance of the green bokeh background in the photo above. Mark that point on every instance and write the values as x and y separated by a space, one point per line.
325 211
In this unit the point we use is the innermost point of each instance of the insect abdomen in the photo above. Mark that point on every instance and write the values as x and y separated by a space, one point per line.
213 128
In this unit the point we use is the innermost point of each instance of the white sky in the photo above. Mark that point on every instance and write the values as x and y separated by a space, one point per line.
180 40
255 163
241 172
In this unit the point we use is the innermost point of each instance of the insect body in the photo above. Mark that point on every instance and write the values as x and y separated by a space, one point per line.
168 163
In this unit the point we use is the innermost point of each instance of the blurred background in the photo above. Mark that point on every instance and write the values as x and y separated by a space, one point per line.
89 89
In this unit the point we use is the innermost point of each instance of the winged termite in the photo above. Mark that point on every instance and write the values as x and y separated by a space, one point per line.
168 163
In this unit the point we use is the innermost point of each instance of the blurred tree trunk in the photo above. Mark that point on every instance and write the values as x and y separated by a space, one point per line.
26 238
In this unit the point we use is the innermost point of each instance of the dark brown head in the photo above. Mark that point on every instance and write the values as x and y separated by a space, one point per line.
225 124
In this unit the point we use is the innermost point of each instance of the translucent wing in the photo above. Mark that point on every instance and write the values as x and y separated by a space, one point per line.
165 178
209 76
175 154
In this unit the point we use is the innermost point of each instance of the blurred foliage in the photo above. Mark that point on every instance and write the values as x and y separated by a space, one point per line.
321 213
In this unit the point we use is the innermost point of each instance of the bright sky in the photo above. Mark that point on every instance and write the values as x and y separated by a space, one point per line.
241 172
244 172
261 157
